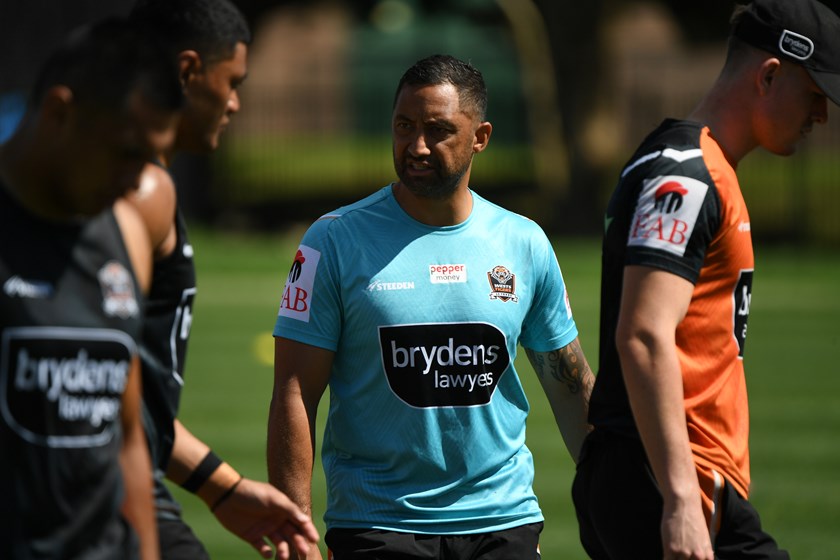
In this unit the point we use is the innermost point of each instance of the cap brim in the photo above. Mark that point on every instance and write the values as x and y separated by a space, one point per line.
829 82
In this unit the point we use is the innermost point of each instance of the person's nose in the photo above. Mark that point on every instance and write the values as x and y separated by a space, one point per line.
418 146
233 102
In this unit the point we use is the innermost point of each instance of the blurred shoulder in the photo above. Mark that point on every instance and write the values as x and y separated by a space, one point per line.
136 240
156 200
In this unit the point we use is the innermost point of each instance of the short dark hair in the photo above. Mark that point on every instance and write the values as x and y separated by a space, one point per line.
104 63
445 69
212 28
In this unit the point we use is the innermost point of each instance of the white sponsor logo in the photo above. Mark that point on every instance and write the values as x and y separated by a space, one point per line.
796 45
61 386
18 287
297 295
380 286
447 273
666 213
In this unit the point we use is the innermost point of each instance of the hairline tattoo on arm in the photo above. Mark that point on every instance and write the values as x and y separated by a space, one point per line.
567 365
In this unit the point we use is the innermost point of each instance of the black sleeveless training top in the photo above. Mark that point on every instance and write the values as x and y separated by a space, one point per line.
163 350
69 316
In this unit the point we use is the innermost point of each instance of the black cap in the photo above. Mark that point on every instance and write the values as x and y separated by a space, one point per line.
804 31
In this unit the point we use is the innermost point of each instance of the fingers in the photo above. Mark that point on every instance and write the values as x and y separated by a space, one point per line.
283 551
289 534
268 520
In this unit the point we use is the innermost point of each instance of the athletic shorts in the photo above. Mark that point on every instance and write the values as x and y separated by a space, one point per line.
521 543
619 507
178 542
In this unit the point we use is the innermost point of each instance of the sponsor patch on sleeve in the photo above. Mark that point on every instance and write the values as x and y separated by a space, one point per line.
297 294
666 213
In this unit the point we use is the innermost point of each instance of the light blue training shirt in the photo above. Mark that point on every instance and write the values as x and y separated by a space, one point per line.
426 424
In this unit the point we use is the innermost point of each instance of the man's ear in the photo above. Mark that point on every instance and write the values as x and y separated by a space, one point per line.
189 66
767 74
56 105
482 136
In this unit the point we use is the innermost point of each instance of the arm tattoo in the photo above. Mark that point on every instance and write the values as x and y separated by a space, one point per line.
567 365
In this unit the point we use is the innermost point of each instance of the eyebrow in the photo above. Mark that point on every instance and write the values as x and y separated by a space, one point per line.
436 121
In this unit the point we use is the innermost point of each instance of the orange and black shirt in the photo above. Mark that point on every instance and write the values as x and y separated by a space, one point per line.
678 207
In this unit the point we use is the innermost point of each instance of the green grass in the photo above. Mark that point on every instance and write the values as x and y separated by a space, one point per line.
792 351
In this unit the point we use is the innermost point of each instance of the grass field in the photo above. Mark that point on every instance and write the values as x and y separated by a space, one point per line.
792 356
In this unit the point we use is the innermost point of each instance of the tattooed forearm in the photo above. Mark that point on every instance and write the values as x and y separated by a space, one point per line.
567 365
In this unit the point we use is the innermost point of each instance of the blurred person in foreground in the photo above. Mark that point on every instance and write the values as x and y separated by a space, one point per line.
665 472
208 41
410 305
75 476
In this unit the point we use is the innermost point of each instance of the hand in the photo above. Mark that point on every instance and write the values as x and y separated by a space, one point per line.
257 509
314 554
685 535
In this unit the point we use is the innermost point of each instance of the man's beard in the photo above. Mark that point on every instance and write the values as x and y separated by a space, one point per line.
436 186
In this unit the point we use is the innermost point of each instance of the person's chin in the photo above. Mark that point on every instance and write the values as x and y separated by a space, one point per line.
212 143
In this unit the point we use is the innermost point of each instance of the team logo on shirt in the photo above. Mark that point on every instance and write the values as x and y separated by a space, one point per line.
118 298
666 213
432 365
502 284
297 294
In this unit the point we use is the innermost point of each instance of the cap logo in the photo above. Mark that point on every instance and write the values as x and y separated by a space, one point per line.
796 45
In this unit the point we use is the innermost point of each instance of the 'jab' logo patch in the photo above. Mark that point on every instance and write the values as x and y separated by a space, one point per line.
666 213
443 364
297 294
502 284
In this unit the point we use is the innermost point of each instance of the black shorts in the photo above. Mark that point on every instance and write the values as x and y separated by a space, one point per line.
619 507
521 543
178 542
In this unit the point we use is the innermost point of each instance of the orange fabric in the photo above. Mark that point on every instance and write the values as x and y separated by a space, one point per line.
713 373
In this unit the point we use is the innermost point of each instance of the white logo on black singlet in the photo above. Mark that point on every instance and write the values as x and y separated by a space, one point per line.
62 387
19 287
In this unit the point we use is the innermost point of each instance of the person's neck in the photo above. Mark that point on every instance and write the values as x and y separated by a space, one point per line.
22 180
436 212
727 115
31 183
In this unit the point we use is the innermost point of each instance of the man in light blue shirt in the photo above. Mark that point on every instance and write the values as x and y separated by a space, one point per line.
410 305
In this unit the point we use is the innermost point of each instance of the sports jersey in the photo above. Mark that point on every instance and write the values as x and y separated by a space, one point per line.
163 351
69 316
426 424
678 207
